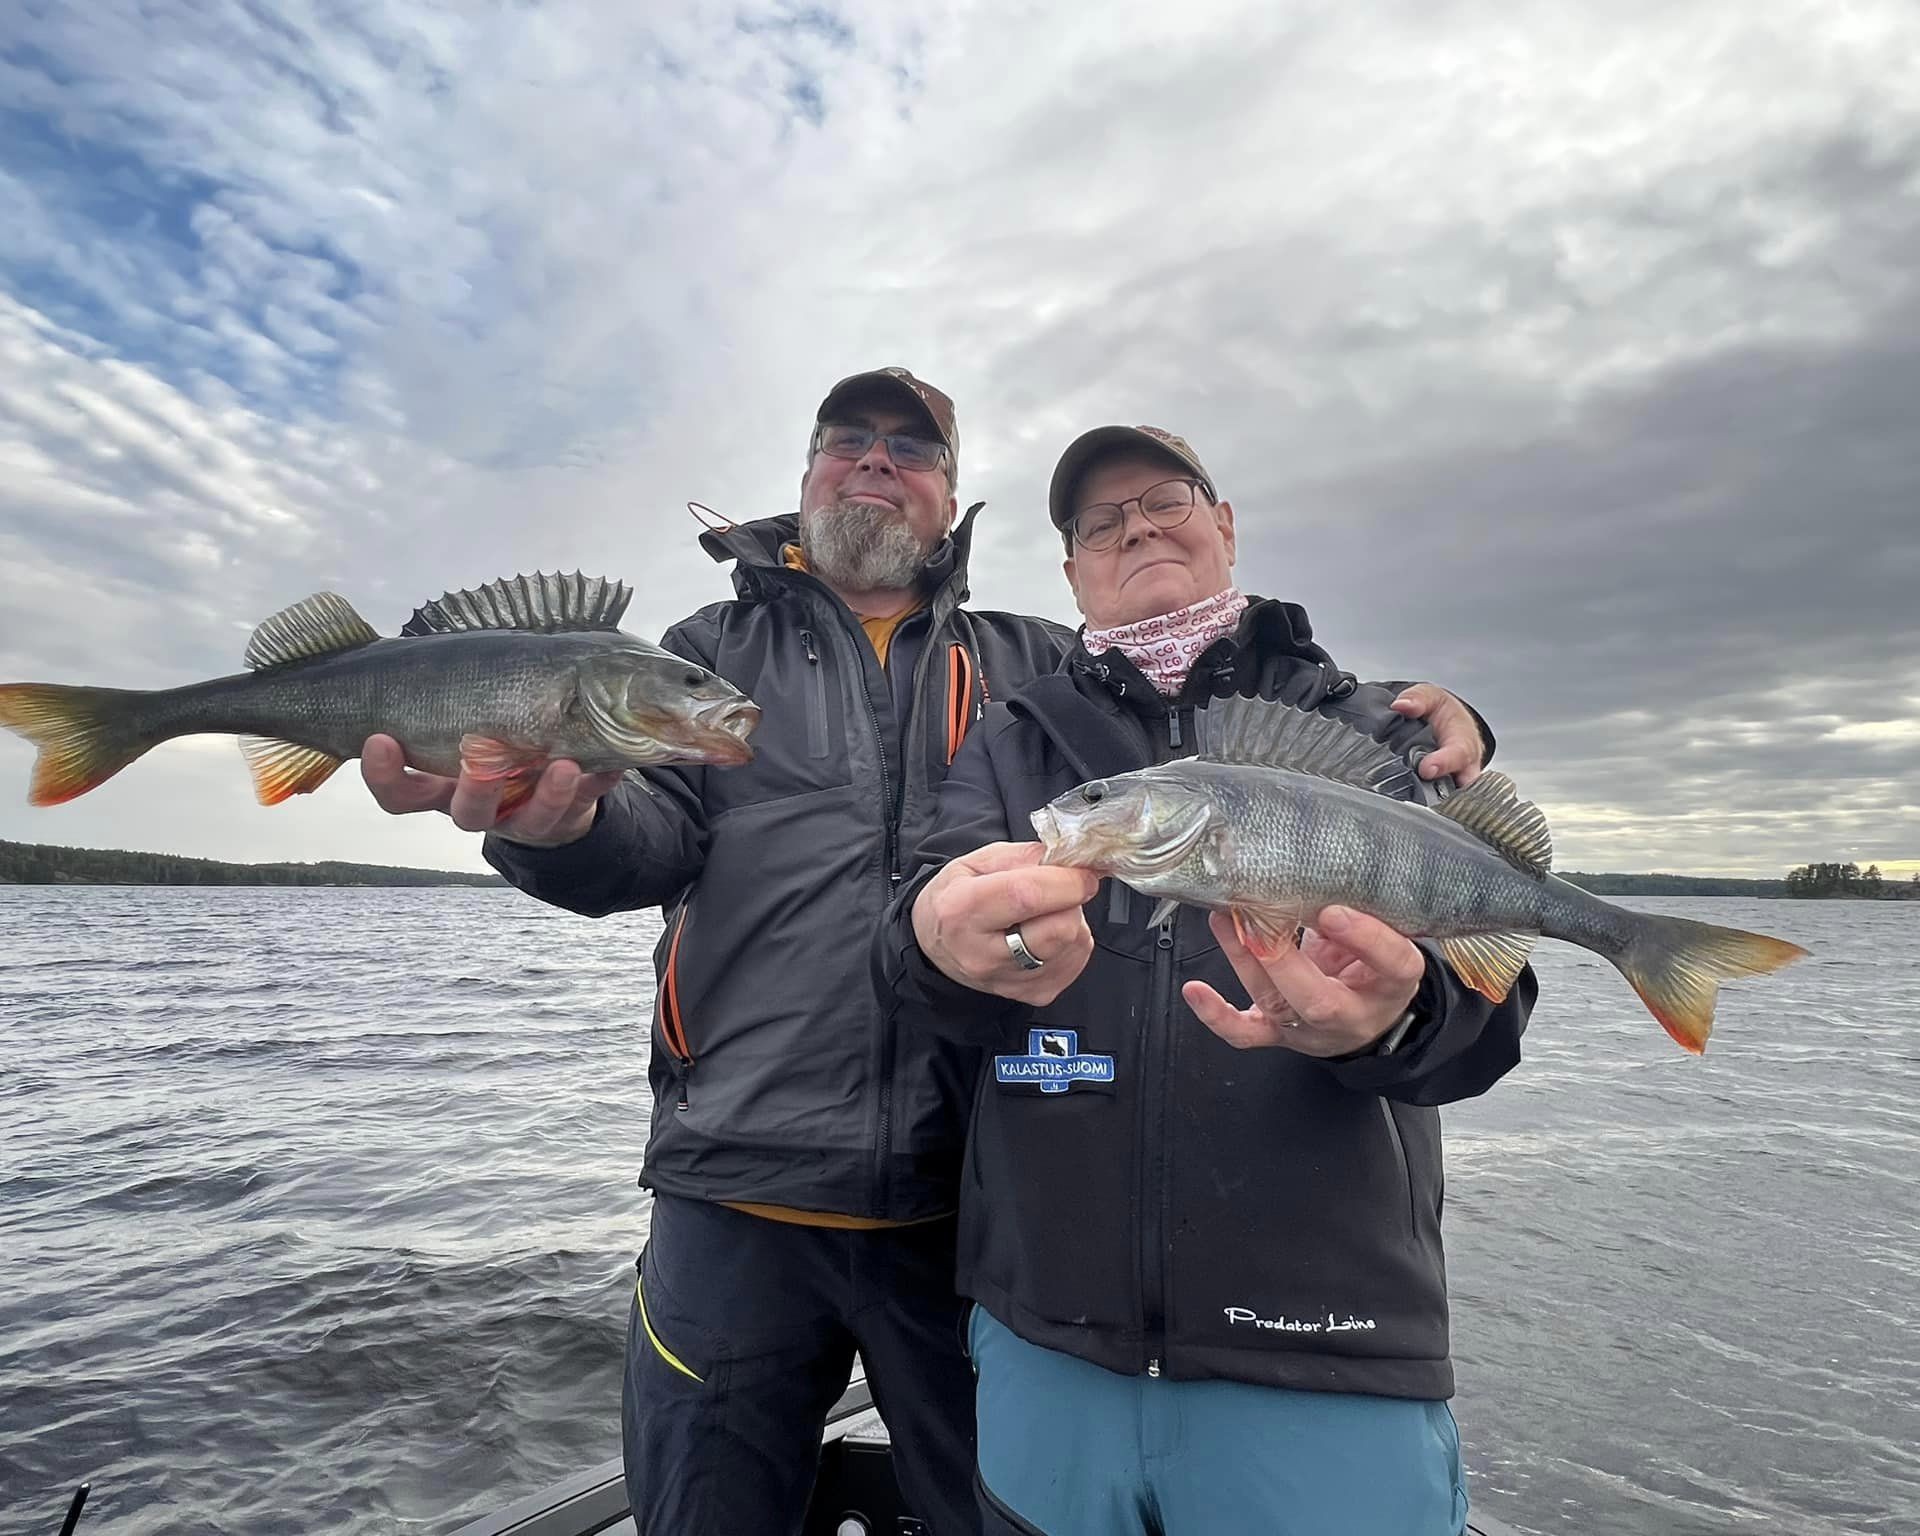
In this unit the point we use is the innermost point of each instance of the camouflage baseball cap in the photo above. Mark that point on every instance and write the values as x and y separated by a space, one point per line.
913 393
1102 441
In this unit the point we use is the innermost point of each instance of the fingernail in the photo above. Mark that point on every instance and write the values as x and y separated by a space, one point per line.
1335 920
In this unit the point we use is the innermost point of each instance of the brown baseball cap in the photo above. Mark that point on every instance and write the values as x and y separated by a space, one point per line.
914 393
1100 442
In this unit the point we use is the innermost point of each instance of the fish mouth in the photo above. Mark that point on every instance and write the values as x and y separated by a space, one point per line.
720 732
715 734
1063 844
1047 826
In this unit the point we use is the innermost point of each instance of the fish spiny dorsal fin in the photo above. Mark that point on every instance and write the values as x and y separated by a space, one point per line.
1492 810
1272 735
319 626
545 604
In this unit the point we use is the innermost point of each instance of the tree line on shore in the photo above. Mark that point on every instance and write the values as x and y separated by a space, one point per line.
46 864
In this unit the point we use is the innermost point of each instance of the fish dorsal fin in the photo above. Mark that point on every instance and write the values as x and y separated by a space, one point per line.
1492 810
546 604
1271 735
317 626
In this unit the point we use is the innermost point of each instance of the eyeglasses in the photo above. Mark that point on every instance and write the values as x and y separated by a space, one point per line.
1166 505
846 441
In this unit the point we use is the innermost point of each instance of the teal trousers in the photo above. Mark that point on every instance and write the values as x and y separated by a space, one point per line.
1070 1449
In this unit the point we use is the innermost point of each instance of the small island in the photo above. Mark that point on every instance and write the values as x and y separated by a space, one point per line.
46 864
1849 881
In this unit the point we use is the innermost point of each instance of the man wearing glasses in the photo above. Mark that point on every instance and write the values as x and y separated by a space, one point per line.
1244 1325
802 1153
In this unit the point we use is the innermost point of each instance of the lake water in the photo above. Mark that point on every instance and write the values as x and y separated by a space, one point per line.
317 1210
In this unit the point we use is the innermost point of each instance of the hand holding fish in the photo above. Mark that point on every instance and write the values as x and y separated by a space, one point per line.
964 914
1339 993
560 809
1460 750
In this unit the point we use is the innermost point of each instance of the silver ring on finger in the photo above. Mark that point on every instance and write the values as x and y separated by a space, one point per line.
1026 958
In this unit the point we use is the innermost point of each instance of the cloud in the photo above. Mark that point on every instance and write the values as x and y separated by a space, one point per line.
1560 355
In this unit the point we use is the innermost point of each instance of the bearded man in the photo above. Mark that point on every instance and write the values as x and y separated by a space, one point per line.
802 1156
803 1153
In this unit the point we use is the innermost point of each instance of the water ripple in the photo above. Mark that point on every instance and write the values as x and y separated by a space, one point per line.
319 1212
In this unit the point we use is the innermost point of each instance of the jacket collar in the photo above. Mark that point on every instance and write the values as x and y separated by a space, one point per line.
755 548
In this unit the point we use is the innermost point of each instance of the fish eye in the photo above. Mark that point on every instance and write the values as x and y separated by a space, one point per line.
1093 794
692 679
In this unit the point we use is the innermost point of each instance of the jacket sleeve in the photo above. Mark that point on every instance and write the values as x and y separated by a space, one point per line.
969 813
1460 1044
648 841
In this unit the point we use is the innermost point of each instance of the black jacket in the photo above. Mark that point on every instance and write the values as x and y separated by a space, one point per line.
1207 1212
775 1076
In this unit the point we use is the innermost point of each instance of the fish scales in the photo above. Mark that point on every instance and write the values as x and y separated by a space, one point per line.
1275 839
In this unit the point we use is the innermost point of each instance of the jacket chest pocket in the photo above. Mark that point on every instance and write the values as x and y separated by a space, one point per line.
816 695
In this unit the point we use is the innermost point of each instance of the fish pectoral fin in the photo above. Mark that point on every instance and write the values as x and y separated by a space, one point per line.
1266 930
1488 962
283 769
1163 909
519 790
1492 810
489 758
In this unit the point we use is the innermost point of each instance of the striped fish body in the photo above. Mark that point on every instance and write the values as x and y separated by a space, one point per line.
1283 813
495 683
429 692
1284 842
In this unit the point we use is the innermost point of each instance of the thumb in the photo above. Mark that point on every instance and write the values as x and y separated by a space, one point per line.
1417 701
995 857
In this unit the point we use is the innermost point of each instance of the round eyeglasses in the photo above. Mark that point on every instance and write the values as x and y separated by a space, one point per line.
845 441
1166 505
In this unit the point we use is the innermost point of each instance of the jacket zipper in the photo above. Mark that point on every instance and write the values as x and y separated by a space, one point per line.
817 697
672 1027
1156 1255
917 714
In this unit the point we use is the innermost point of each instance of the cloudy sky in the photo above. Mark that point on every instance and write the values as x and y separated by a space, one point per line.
1565 353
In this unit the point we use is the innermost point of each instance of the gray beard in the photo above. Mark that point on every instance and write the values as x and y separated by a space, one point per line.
858 547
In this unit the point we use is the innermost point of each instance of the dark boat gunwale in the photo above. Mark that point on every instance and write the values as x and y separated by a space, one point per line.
596 1499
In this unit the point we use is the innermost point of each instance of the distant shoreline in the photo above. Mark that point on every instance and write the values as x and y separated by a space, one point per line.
51 864
47 864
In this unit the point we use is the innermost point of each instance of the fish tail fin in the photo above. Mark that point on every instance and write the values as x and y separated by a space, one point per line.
85 735
1677 965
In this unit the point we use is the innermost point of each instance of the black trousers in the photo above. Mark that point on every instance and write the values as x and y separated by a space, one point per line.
742 1335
